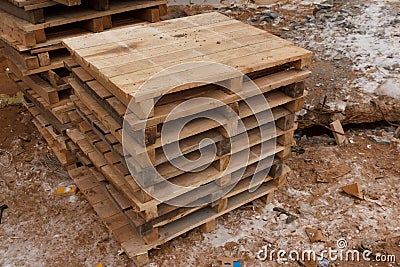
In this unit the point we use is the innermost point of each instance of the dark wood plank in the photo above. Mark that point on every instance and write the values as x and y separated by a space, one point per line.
34 16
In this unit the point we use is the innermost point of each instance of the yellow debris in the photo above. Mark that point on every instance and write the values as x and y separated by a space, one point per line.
67 190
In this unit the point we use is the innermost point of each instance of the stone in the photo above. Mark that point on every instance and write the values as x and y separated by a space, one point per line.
380 140
275 15
105 237
266 18
24 137
269 15
283 217
310 18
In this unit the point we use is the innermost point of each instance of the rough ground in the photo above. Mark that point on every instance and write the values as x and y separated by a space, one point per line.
354 61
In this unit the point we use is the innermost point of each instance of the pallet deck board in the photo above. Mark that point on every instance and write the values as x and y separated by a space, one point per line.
248 50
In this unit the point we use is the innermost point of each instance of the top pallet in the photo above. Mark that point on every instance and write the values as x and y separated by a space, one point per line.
123 60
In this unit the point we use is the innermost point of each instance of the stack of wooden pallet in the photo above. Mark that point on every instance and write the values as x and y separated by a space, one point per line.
108 72
30 34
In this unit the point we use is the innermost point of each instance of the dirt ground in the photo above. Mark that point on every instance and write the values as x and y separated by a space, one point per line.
43 229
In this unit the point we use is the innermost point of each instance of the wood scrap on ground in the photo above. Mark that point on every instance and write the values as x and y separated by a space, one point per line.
354 190
338 132
315 235
333 173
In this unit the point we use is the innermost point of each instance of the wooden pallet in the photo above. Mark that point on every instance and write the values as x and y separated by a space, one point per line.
209 36
289 82
31 12
14 29
49 85
55 114
127 224
29 63
59 143
117 158
92 118
29 5
287 106
284 120
290 87
120 219
280 109
280 80
120 175
34 16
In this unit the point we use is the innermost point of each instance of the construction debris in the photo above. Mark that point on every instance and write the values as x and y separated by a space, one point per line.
290 217
354 190
226 261
315 235
67 190
323 263
397 133
25 137
381 140
333 173
338 132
